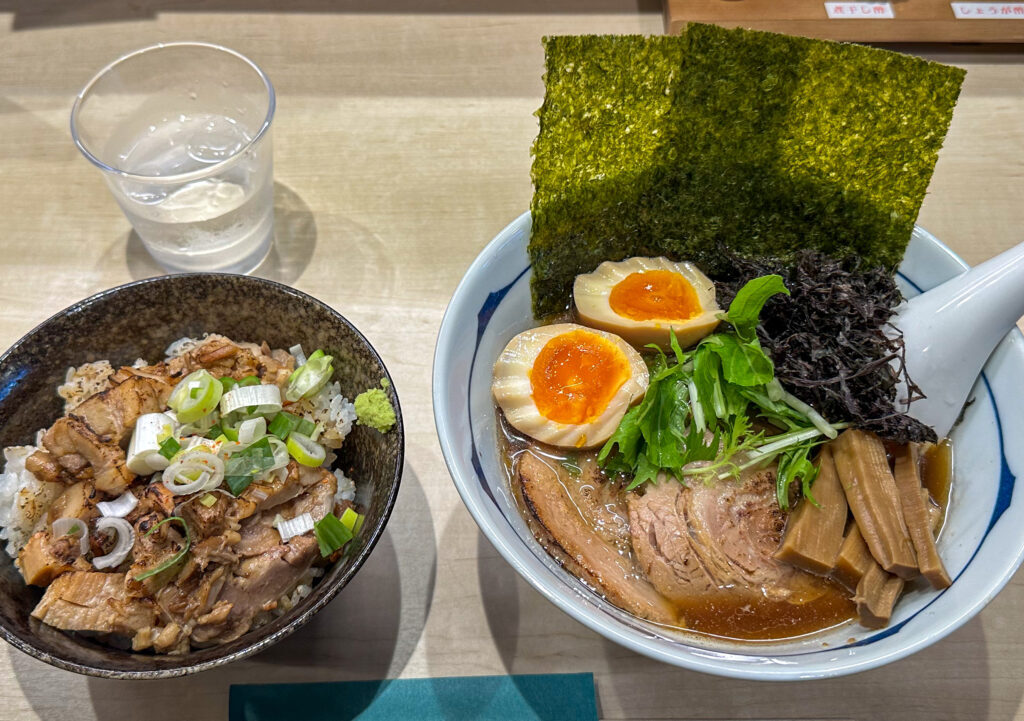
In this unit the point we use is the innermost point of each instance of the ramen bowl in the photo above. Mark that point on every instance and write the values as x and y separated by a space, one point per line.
981 543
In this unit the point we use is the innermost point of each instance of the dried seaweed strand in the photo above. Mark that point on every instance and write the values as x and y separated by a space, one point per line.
832 340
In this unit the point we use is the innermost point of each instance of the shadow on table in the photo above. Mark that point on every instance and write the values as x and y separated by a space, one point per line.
368 632
48 13
533 636
295 239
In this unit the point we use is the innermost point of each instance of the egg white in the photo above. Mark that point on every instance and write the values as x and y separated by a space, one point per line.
513 391
591 293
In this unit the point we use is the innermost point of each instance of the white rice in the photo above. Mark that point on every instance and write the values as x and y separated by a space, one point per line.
24 499
183 346
83 382
333 411
346 487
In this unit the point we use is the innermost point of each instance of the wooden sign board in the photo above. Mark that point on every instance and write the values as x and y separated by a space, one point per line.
925 21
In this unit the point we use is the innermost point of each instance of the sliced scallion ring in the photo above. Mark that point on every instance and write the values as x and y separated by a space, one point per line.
252 429
305 450
310 377
197 469
151 430
280 450
119 507
72 527
125 541
264 399
195 396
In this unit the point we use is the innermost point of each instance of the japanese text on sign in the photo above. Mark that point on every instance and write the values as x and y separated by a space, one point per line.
988 11
859 10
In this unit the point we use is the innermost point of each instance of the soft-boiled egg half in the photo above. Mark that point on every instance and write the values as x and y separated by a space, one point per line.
568 385
640 299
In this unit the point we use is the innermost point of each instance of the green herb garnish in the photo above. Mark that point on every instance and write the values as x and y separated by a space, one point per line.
700 406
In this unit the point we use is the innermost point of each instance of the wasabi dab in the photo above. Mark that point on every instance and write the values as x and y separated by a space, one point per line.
374 409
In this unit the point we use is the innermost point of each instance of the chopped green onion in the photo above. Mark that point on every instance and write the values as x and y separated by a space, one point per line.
331 534
208 500
227 383
195 396
252 429
283 424
349 518
215 430
173 560
263 399
307 380
306 427
169 446
305 451
230 424
315 433
244 465
249 381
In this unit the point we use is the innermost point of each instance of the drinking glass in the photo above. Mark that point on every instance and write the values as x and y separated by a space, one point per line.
182 134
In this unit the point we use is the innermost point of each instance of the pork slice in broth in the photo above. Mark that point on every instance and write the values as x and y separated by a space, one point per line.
584 520
706 540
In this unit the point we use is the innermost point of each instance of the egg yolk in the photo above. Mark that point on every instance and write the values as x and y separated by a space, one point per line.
654 295
575 376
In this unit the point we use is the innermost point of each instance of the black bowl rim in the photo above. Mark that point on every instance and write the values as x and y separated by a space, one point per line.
323 592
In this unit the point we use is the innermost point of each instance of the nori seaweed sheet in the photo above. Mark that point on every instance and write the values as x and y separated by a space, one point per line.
762 143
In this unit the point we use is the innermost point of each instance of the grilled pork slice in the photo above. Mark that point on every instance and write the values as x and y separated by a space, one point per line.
70 436
44 557
112 413
256 585
91 601
588 544
700 541
44 466
224 357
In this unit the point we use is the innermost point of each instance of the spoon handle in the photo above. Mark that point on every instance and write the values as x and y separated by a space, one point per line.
951 330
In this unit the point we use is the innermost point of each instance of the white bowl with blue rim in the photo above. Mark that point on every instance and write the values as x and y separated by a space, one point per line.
982 542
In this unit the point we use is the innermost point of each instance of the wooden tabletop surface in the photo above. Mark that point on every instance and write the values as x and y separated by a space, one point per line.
402 144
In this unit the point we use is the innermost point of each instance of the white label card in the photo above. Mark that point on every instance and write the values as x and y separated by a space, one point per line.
988 11
859 11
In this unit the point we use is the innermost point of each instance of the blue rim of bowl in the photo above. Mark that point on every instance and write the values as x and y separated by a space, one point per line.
324 591
1007 483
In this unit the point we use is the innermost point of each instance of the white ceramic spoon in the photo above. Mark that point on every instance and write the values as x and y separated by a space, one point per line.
951 330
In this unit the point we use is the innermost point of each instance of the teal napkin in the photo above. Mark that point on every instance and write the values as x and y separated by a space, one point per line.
561 697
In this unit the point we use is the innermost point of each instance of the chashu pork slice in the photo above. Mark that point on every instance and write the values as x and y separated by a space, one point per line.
588 543
700 541
112 414
70 437
92 601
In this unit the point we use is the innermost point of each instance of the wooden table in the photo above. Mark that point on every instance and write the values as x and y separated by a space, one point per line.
402 145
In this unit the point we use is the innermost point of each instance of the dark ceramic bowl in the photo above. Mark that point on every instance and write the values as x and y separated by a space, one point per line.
139 320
